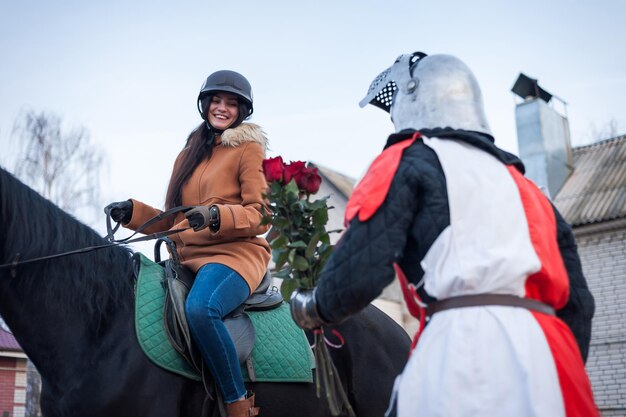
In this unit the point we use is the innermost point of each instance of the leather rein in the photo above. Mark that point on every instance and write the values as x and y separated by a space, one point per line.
109 237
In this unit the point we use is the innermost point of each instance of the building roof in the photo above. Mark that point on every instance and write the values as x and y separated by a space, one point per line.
341 182
8 342
596 190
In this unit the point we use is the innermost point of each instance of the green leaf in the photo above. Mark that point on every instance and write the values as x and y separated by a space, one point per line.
300 263
292 188
276 253
325 251
275 188
298 244
288 286
296 274
280 242
290 200
297 208
284 273
280 257
310 249
320 217
318 204
280 222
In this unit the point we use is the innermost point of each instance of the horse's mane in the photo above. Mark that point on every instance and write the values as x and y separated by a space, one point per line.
95 283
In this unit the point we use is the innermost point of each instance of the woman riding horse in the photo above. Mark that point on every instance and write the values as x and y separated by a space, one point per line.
219 172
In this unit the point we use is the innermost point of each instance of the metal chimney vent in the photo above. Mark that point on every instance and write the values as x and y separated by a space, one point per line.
542 136
527 87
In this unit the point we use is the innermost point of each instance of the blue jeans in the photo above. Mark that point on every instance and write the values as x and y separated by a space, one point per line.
217 291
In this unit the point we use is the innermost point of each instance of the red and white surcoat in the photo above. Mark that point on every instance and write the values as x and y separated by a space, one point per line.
456 213
494 360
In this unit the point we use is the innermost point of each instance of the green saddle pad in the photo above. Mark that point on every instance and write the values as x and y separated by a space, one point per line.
281 352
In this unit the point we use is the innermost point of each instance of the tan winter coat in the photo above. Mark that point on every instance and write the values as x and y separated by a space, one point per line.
233 180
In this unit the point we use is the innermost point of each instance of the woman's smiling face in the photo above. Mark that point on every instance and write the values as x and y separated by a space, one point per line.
223 110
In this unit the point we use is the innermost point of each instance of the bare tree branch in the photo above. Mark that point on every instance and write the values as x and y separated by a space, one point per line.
64 166
608 130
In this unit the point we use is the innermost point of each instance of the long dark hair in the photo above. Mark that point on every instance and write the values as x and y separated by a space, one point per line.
199 146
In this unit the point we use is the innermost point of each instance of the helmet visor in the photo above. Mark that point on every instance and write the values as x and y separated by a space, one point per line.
381 91
384 87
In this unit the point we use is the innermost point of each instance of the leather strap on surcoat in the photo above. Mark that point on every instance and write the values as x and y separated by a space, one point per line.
488 300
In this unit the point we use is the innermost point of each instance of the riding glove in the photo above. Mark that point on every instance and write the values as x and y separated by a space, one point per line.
202 216
121 211
304 309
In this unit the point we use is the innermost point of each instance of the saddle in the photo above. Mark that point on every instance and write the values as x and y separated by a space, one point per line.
177 284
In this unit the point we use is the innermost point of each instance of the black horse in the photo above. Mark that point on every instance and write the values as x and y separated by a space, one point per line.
73 316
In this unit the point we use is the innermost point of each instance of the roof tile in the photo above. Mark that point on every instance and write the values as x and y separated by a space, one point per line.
596 190
8 342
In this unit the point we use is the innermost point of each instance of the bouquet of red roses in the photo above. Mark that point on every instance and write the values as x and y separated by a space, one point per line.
300 248
299 240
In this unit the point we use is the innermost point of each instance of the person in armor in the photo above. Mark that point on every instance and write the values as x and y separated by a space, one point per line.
219 171
498 277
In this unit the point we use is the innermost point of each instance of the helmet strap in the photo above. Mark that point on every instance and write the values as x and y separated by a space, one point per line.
213 130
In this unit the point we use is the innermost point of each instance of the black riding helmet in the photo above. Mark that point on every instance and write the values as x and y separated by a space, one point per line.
230 82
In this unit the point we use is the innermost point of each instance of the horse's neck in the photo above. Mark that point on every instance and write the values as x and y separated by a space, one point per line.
57 337
62 310
53 338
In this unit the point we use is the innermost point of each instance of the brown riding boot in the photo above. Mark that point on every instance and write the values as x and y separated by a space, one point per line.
243 408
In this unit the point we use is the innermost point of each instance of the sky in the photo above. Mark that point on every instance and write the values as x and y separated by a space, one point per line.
129 71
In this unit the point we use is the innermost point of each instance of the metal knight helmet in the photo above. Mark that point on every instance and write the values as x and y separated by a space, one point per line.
428 91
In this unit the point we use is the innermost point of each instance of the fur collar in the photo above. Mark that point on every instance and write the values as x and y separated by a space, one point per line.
245 132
